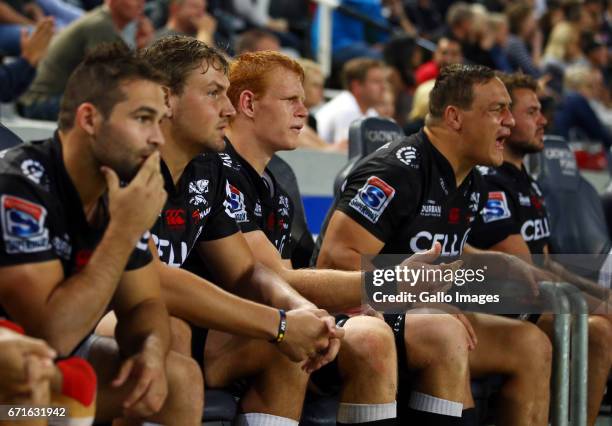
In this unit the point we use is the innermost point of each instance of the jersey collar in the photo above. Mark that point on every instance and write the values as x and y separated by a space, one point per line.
66 185
254 177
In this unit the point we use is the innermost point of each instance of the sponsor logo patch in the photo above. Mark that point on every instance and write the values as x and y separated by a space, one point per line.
373 198
23 225
431 210
407 155
496 207
234 205
175 218
33 170
524 200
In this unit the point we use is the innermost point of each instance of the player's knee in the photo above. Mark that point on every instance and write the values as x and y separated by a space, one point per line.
437 339
185 385
600 336
532 347
368 342
181 336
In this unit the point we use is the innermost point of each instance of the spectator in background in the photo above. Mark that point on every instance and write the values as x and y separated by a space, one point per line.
256 40
16 76
448 51
17 15
103 24
425 16
420 108
257 14
459 23
596 53
562 51
386 108
313 92
524 48
563 47
402 56
189 17
575 112
364 81
495 44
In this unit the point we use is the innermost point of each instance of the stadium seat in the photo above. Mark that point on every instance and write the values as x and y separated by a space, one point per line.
366 135
8 139
220 408
577 219
301 238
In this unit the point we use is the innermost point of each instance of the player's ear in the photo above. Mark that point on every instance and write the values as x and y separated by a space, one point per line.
86 118
169 100
453 117
246 103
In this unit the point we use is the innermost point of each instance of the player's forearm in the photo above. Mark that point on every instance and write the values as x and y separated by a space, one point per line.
334 291
269 288
206 305
146 324
583 284
67 322
342 258
8 15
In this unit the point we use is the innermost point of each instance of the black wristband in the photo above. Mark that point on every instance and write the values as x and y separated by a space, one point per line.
282 327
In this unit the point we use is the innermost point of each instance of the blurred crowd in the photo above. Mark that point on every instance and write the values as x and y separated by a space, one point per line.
385 53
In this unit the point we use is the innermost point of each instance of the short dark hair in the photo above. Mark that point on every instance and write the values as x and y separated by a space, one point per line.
176 56
516 81
458 13
455 86
357 69
247 41
98 78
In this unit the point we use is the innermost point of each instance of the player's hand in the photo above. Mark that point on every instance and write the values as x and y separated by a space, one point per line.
34 46
145 373
25 363
525 272
423 261
135 207
308 333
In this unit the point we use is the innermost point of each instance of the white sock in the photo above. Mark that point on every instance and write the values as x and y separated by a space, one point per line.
430 404
261 419
362 413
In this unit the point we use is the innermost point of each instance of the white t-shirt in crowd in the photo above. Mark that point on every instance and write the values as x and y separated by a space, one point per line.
335 117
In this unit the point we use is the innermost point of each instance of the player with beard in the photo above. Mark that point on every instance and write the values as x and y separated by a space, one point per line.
516 221
414 192
72 239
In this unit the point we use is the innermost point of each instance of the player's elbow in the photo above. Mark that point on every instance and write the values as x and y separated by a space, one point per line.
338 256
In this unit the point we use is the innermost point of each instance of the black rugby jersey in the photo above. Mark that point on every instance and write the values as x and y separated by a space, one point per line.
405 194
199 208
259 202
41 215
514 205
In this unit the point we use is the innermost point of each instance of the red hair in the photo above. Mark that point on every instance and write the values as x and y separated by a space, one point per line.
250 71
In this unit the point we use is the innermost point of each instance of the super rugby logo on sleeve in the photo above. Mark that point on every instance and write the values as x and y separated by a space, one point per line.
23 225
373 198
496 207
234 205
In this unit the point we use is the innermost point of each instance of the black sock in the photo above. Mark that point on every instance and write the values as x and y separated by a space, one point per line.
424 418
382 422
469 417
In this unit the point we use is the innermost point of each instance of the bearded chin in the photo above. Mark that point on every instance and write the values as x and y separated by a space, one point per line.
523 148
